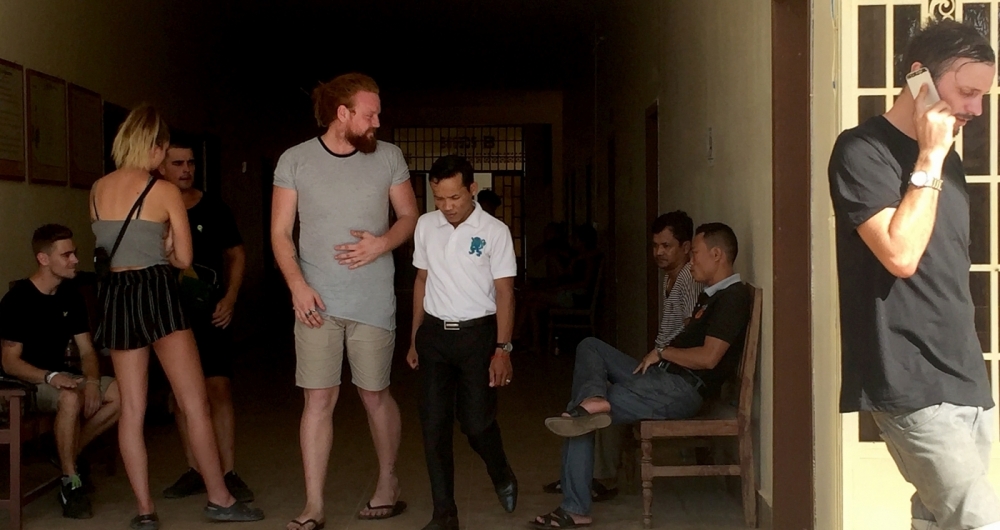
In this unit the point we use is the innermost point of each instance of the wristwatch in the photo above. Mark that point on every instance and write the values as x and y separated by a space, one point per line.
505 346
659 352
920 179
49 376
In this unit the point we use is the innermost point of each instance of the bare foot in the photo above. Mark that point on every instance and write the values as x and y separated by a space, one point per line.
307 514
577 519
593 405
386 494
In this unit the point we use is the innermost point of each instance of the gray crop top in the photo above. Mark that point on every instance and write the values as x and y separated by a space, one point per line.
142 245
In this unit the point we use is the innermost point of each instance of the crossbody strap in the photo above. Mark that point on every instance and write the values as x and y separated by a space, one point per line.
138 203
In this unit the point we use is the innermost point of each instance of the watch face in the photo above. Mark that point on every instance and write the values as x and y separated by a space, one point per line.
919 179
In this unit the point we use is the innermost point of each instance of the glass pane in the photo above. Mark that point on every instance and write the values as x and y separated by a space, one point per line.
976 143
979 283
977 16
979 223
906 22
871 46
870 106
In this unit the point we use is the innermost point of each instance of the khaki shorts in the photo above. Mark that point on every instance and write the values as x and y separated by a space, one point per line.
319 354
47 397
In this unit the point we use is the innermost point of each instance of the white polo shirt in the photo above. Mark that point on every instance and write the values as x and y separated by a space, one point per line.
461 263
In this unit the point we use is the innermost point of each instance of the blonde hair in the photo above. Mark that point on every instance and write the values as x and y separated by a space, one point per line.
141 131
329 96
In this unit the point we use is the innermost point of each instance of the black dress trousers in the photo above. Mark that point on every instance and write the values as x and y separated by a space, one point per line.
455 368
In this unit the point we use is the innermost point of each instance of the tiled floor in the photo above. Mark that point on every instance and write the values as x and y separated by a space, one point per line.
268 459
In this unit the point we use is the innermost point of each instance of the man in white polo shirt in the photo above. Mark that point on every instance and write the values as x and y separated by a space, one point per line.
463 316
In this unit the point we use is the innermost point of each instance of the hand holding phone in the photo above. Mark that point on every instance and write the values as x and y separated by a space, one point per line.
923 77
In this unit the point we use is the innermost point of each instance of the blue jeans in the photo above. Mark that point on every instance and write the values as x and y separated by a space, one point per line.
603 371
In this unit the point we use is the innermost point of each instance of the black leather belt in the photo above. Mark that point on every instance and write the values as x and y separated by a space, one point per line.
463 324
687 375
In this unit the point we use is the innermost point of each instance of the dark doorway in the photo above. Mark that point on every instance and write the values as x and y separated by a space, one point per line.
611 276
652 210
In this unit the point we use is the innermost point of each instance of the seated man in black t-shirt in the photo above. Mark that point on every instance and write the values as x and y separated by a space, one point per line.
612 387
39 317
209 289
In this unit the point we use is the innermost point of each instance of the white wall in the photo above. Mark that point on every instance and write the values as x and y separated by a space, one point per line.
708 65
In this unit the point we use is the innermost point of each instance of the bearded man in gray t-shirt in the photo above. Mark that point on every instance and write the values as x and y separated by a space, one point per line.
341 185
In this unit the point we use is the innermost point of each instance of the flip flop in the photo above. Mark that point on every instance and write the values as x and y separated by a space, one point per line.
394 510
578 423
304 525
560 517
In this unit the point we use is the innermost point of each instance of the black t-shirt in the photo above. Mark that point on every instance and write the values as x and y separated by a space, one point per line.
725 316
905 343
213 231
43 324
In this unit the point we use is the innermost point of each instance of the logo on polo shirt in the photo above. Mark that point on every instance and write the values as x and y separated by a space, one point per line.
477 246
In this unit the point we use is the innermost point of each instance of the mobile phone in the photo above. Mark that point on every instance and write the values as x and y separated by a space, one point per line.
922 77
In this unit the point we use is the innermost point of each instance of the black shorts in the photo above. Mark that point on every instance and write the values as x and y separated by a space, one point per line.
139 307
215 347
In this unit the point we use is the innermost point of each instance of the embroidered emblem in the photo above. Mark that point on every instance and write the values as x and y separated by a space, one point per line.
200 228
65 313
477 246
699 312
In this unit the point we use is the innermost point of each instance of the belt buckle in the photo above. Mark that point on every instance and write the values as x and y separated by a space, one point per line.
451 326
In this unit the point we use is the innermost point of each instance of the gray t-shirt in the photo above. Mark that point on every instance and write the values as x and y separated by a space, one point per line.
337 194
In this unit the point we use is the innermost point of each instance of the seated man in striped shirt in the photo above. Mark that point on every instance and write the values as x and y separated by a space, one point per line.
672 233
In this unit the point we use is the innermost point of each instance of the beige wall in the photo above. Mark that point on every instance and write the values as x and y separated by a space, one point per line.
88 43
708 65
825 333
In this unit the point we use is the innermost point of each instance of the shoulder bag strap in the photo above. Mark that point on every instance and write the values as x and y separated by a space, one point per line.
128 219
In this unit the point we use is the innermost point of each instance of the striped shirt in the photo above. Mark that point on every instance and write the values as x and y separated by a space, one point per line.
678 303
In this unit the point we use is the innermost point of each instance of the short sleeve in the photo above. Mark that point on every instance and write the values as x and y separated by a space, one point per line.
397 166
284 172
229 233
420 244
730 316
12 325
863 181
503 262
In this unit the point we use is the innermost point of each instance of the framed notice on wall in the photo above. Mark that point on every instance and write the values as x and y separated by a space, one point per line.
12 157
47 137
86 135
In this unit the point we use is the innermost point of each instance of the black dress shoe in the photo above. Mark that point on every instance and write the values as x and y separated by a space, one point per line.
448 523
507 493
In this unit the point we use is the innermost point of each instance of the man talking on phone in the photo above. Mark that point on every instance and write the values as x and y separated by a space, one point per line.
910 353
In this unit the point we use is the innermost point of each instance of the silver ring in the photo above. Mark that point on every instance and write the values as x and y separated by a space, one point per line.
311 311
508 380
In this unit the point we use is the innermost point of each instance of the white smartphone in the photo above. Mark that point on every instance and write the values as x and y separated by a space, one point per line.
922 77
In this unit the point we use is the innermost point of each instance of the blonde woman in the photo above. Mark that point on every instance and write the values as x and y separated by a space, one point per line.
141 308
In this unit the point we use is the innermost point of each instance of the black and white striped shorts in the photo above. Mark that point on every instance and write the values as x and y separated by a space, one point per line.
139 307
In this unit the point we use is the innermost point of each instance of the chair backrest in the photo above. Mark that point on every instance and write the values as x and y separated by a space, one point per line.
748 363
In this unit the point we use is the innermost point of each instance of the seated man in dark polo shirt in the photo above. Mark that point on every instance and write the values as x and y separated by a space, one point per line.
39 317
612 387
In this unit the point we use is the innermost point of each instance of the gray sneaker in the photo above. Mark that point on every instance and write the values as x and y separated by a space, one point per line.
238 512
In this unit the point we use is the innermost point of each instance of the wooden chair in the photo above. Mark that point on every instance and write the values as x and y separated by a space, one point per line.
573 318
718 419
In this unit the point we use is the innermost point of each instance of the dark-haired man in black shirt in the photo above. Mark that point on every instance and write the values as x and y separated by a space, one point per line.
909 348
209 289
39 317
612 387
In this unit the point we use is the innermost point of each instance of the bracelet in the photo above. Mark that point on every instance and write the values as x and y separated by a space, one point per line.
49 376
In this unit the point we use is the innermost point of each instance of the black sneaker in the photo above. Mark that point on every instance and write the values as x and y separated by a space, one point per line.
190 483
237 488
74 501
